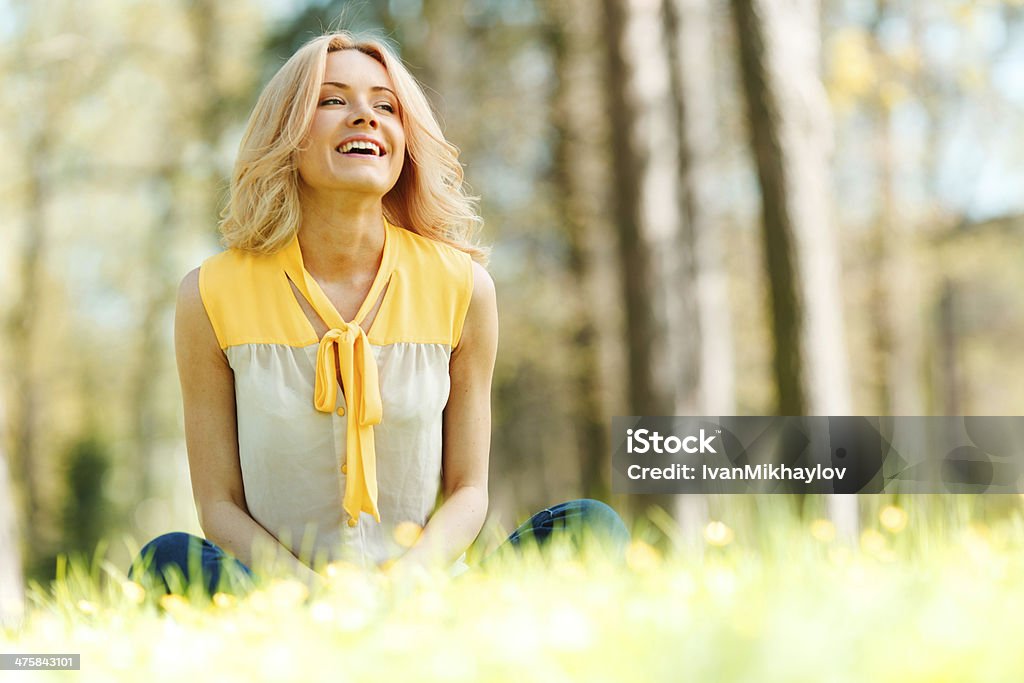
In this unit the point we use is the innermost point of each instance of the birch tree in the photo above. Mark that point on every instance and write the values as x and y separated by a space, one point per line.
709 375
645 205
643 194
790 128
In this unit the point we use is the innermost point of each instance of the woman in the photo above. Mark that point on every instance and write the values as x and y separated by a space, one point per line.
336 360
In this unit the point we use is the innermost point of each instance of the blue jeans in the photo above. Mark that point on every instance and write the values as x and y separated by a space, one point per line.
179 555
582 523
171 562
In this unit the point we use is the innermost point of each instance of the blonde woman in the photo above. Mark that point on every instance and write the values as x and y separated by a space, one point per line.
336 359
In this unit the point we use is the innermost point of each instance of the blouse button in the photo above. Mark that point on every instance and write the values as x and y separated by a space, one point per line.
344 469
341 412
352 521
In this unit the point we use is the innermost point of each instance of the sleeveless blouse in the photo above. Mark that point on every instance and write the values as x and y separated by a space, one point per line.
331 470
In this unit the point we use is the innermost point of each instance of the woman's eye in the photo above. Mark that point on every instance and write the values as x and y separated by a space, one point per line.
331 100
387 107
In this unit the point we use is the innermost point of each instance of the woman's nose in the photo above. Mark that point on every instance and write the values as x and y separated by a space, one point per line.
363 117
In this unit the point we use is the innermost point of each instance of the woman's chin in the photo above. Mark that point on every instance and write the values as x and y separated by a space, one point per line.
354 184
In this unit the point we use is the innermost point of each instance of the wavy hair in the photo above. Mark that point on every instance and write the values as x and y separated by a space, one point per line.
429 198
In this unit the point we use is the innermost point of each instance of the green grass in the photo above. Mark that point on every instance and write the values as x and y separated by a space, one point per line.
931 591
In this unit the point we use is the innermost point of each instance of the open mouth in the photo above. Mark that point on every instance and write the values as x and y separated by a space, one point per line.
362 148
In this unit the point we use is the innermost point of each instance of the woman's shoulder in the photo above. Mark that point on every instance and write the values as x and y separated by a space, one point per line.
437 265
429 292
247 299
236 274
232 263
433 255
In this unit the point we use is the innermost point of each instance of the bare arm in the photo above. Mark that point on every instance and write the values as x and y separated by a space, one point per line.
211 437
467 436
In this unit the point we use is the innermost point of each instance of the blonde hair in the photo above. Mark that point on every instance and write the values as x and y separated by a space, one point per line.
263 213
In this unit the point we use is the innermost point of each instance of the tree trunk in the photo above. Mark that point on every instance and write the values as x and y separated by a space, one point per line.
690 29
149 342
22 334
645 206
12 584
898 272
950 383
791 133
574 127
689 26
790 128
644 185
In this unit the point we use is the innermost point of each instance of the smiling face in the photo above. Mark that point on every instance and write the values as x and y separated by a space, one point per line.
356 142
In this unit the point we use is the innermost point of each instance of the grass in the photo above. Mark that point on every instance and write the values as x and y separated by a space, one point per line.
930 591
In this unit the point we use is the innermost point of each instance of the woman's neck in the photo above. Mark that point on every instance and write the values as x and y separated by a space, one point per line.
341 236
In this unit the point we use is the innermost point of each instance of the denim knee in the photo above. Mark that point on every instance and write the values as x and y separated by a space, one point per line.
173 545
170 548
192 559
600 520
583 521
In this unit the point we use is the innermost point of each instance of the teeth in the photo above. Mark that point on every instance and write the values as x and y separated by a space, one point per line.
360 144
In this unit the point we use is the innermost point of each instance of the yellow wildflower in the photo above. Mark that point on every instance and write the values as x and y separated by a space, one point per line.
134 592
223 600
642 556
86 607
173 603
893 518
718 533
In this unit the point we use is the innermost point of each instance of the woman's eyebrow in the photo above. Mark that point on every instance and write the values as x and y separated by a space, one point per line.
345 86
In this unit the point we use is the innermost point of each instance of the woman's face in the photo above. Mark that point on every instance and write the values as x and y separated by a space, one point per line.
356 142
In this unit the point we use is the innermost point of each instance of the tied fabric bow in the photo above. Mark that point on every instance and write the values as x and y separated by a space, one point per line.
345 351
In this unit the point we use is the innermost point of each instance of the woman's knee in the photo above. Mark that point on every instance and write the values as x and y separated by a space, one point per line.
184 558
171 549
600 515
170 546
597 522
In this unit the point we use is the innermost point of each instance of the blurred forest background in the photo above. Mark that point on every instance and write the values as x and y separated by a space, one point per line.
707 207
